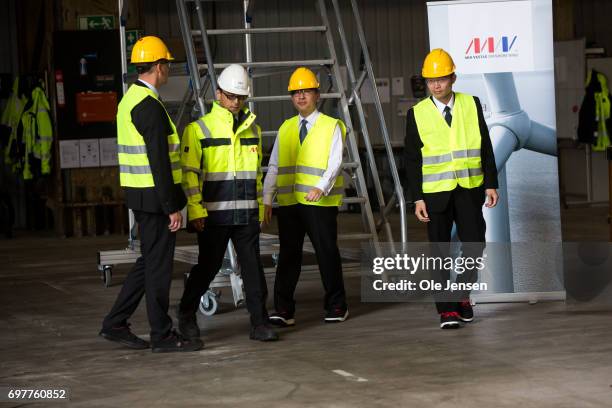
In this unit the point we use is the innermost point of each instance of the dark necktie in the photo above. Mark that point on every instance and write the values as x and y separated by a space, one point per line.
303 131
447 116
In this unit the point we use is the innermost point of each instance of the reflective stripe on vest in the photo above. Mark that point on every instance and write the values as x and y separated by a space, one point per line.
232 205
231 167
451 155
301 165
134 167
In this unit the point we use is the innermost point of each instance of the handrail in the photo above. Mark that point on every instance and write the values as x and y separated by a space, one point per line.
399 191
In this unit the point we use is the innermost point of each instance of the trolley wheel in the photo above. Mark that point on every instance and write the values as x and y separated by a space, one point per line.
275 259
107 275
209 303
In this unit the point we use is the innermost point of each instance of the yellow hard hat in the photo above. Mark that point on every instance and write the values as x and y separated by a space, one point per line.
150 49
302 78
438 63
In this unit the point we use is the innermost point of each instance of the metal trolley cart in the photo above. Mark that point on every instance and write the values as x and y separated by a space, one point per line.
228 276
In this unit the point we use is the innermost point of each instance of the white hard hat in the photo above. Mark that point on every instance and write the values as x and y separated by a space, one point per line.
234 79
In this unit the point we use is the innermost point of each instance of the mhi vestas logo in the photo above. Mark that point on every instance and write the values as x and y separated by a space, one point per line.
504 46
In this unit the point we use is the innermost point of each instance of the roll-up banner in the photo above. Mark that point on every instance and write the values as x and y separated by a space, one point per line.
503 51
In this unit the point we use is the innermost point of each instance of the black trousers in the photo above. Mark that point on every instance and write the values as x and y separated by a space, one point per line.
212 243
464 209
320 223
150 276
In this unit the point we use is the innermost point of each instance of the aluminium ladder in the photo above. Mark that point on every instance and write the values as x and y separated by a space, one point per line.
200 73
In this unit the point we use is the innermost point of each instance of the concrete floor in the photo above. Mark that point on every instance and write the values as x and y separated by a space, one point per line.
390 355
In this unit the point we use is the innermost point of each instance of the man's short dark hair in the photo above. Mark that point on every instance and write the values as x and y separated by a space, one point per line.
147 67
144 68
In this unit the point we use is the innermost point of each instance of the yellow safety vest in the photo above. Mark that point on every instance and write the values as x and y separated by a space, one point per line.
222 168
451 155
37 134
301 165
602 112
11 118
134 167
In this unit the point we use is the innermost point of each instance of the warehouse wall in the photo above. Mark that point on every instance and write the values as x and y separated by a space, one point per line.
8 37
396 31
593 20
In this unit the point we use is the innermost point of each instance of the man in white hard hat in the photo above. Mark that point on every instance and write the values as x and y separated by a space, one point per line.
221 161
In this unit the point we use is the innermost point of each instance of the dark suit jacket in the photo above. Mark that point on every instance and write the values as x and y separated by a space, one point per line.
150 119
437 202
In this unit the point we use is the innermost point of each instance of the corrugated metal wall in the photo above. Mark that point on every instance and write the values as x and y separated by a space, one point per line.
396 31
593 20
8 37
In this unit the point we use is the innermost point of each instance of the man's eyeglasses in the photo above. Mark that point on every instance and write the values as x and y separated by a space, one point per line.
300 92
168 63
232 97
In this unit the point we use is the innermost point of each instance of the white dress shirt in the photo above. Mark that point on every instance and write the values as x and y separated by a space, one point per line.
441 106
151 87
334 163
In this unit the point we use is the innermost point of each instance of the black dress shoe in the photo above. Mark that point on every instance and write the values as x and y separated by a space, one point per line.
124 335
174 342
263 333
188 325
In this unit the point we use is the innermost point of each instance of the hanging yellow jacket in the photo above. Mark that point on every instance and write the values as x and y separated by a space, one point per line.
11 117
301 165
451 155
222 168
602 112
37 134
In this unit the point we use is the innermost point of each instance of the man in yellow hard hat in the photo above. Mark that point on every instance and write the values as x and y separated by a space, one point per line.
221 159
150 174
304 173
451 173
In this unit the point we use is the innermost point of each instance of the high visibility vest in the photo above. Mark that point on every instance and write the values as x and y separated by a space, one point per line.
222 168
11 117
44 135
451 155
134 167
301 165
602 112
37 134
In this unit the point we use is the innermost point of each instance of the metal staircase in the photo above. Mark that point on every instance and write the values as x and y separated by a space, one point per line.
347 97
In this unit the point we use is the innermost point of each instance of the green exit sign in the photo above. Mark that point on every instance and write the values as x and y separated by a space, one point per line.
131 36
96 22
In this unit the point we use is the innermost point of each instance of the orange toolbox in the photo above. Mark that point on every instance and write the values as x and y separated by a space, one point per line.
96 107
